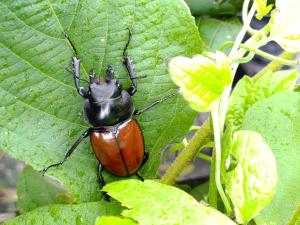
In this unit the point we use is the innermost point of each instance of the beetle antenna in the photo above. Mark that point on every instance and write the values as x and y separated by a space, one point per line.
137 77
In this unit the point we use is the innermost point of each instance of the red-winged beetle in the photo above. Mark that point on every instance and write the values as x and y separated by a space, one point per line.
116 137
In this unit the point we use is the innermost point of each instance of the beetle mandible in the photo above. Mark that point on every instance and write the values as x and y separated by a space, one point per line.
116 137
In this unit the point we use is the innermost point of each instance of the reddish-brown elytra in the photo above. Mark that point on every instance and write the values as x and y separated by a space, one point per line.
116 137
122 152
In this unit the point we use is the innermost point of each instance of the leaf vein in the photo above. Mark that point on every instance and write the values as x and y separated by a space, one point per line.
54 14
39 110
36 68
27 25
76 11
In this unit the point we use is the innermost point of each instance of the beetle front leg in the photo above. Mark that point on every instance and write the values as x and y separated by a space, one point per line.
102 182
145 159
76 74
69 152
76 70
129 66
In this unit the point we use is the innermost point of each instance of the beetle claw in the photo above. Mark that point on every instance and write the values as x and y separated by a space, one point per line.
43 171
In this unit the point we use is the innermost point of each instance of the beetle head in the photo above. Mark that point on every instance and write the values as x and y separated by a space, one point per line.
104 89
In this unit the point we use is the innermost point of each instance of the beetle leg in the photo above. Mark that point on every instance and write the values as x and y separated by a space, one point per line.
130 68
69 152
139 176
127 43
101 179
76 70
146 157
71 43
140 111
102 182
81 90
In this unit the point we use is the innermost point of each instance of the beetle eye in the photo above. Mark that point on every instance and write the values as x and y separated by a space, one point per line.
89 92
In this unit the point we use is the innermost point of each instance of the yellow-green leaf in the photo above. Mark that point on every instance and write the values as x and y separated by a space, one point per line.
151 203
246 93
262 8
202 80
252 183
114 220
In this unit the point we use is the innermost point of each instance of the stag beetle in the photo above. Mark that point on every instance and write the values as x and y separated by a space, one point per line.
116 137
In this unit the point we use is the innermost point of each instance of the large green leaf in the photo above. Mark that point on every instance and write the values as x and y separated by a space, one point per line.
216 32
209 7
40 111
150 202
216 8
35 191
277 120
247 92
82 214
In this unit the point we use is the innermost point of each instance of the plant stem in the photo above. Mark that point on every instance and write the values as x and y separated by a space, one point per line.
269 56
274 65
219 116
217 149
245 16
188 153
225 96
242 33
213 192
204 156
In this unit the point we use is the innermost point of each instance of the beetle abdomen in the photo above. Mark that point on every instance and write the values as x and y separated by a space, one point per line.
121 150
